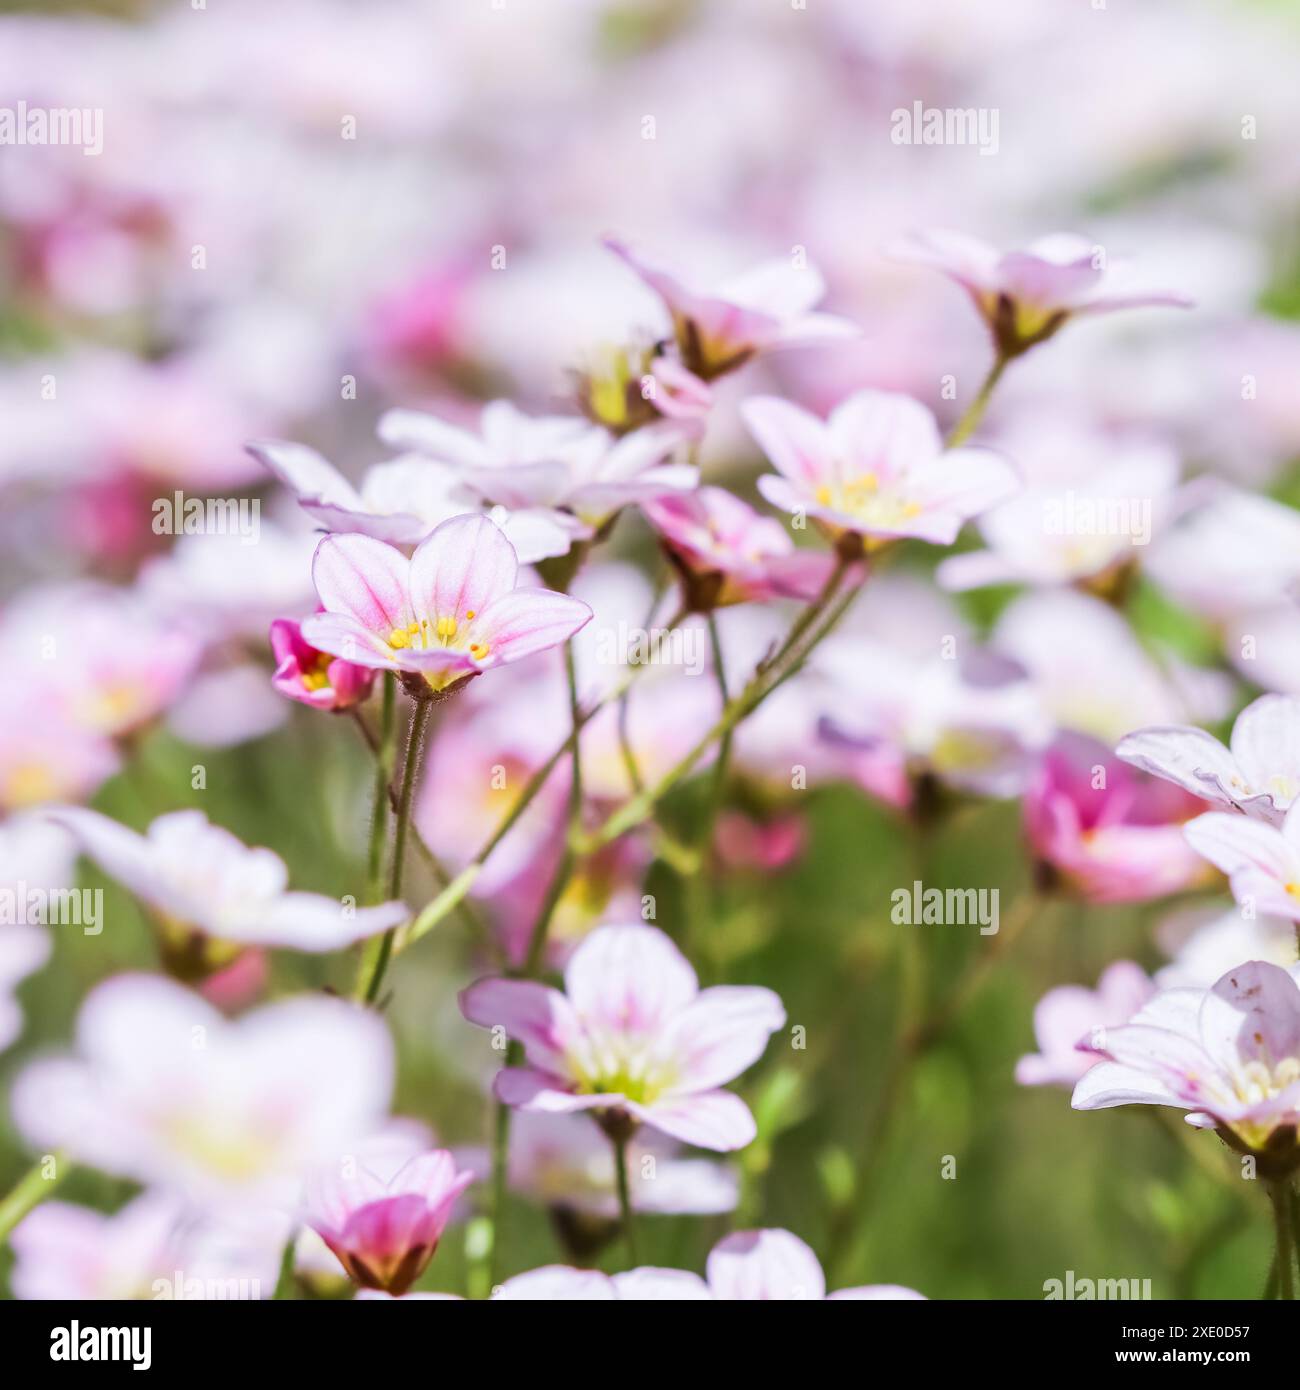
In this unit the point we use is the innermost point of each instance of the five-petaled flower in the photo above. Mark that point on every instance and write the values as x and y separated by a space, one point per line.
1025 296
746 1266
633 1038
719 329
209 893
875 471
446 615
1229 1055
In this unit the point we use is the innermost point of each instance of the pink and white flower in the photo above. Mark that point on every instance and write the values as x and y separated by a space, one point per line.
314 677
572 474
1104 833
719 329
164 1090
1259 773
633 1038
200 881
876 468
1086 528
382 1211
777 1265
1070 1012
449 613
154 1247
728 553
1230 1055
1026 296
747 1266
401 501
110 659
1262 861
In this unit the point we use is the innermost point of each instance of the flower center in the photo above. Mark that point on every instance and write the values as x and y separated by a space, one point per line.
448 631
621 1066
862 499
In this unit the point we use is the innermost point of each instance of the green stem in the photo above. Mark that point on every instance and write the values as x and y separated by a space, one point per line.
383 777
912 1046
763 682
31 1190
535 952
284 1284
1280 1192
410 766
450 897
974 412
568 859
625 1200
500 1172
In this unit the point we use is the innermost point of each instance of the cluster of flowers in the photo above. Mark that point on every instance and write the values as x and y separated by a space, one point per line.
480 546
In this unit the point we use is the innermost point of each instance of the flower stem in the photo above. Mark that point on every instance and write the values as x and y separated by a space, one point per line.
533 958
31 1190
912 1045
625 1200
383 776
410 766
455 891
284 1284
765 679
568 859
500 1172
1280 1192
974 412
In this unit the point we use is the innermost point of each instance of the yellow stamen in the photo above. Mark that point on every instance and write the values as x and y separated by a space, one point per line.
398 638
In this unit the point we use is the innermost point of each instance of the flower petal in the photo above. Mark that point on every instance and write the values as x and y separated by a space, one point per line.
796 442
461 568
540 1018
629 979
771 1264
721 1033
526 621
363 579
716 1120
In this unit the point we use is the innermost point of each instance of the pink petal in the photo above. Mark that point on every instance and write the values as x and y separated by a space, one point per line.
722 1032
885 433
628 979
558 1283
1251 1014
1188 757
771 1264
461 567
1232 843
795 441
540 1018
362 579
526 621
715 1120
